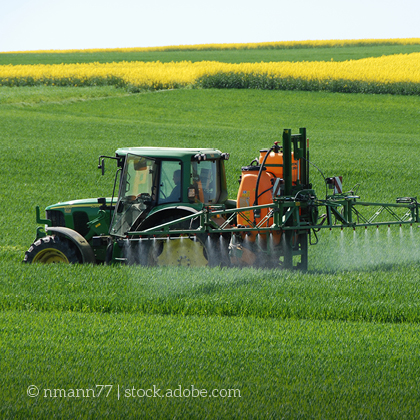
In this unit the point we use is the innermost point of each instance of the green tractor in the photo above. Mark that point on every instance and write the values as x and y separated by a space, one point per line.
156 185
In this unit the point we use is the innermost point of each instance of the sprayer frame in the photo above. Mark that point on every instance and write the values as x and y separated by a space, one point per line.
294 215
295 210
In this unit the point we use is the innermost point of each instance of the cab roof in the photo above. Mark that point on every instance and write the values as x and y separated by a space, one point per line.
168 152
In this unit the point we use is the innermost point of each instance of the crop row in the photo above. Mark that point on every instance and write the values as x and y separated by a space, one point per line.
388 74
248 46
369 296
294 369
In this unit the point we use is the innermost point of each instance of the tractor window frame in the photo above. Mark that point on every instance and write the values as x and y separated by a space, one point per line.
136 194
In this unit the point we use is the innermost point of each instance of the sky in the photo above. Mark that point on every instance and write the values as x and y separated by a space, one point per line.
81 24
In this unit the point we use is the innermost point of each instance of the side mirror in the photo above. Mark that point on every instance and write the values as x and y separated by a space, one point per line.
102 166
102 202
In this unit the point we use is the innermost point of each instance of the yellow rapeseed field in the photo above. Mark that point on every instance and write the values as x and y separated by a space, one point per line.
241 46
382 72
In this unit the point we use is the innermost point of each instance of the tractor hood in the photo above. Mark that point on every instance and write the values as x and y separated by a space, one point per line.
79 215
91 203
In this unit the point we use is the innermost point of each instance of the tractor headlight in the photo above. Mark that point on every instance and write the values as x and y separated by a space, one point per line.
199 157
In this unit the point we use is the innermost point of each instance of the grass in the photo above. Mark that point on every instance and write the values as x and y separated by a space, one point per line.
372 294
225 56
337 342
27 96
290 369
59 130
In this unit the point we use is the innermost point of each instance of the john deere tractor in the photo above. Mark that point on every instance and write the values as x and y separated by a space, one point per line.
156 186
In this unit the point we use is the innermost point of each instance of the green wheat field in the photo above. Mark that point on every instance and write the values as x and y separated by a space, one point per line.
341 341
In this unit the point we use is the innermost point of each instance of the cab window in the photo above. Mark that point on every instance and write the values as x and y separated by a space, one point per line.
205 180
138 177
170 182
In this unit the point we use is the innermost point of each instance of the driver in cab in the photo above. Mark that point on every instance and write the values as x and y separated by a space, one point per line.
175 195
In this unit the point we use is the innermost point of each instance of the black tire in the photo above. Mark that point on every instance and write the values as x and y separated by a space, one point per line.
108 254
51 250
295 244
204 250
149 252
287 249
209 250
303 246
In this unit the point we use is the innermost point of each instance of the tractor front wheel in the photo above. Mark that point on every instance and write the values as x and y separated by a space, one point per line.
52 250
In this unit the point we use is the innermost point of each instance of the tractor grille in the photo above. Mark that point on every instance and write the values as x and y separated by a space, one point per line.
80 220
56 217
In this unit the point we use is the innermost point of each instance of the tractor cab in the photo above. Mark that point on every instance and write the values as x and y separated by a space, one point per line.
159 179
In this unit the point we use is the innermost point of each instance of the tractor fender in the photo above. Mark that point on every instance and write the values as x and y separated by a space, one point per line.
162 215
88 256
176 209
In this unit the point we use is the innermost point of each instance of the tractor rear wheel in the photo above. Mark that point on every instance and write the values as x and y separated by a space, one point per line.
52 250
178 251
195 251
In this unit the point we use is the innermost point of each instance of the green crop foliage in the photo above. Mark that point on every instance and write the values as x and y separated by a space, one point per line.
365 293
282 369
340 341
226 56
133 78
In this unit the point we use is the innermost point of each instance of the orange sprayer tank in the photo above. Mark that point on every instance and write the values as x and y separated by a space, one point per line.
274 164
273 168
246 196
